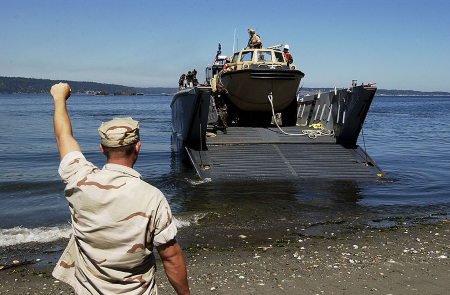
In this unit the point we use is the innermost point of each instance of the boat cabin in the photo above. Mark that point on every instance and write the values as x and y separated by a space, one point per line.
244 59
216 67
253 58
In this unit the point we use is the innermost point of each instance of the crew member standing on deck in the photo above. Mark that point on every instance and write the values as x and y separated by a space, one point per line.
287 55
254 40
221 106
117 218
182 82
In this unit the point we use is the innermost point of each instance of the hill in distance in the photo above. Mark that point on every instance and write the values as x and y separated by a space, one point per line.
13 85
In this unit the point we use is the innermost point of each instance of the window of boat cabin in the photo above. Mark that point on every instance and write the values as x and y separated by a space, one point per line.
279 56
264 55
208 73
247 56
235 57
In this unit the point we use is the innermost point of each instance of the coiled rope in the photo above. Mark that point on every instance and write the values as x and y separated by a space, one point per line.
313 134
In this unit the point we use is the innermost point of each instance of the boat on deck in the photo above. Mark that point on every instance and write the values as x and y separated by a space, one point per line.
255 82
310 137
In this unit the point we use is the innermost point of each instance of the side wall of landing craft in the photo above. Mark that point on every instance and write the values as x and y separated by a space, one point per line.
343 111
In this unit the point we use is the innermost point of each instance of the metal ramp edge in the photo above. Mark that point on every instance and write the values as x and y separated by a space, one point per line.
284 162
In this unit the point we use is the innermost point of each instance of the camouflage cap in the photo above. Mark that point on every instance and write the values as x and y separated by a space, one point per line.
119 132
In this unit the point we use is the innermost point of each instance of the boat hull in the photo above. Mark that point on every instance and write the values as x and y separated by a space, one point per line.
190 109
248 89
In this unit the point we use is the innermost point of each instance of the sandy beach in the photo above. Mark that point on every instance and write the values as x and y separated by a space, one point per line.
394 260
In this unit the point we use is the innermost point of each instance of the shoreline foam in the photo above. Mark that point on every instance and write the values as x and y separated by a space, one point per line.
22 235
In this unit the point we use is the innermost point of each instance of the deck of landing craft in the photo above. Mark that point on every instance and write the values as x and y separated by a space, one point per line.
257 135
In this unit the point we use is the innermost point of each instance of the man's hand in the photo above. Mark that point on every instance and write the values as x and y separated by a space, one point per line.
60 91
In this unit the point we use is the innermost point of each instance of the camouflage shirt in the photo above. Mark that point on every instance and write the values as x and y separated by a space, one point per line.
117 219
254 39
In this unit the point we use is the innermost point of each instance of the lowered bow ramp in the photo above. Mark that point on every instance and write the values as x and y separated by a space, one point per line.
266 154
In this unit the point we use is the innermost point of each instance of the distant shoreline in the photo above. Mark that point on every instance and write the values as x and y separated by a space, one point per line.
164 94
20 85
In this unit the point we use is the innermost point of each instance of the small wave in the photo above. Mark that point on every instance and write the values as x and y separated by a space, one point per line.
181 222
195 182
20 235
184 220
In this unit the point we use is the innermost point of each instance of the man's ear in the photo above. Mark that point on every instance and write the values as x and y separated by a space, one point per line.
137 146
101 148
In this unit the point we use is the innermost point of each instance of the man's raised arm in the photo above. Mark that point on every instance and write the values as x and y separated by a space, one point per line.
61 122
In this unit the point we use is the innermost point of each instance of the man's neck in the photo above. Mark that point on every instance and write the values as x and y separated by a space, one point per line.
123 162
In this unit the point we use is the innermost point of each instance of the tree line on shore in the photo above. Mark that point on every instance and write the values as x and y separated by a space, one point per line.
13 85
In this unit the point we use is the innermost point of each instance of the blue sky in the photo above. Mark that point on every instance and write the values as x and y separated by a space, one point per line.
396 44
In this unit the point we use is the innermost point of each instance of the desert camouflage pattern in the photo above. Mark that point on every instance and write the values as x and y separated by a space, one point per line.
254 39
117 219
119 132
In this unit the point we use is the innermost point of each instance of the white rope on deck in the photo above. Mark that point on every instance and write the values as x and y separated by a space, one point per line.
313 134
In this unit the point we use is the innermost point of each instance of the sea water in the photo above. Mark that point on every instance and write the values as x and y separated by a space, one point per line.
406 136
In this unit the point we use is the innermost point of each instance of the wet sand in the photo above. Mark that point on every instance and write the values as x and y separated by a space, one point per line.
395 260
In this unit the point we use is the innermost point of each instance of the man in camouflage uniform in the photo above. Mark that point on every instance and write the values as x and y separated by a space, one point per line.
221 106
254 40
117 218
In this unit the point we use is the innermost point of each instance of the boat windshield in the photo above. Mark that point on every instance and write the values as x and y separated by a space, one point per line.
279 56
247 56
264 56
235 57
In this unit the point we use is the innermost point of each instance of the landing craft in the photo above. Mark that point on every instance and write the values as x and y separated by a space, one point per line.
273 133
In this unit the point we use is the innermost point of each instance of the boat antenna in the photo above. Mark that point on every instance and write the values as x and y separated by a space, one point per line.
219 52
234 39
